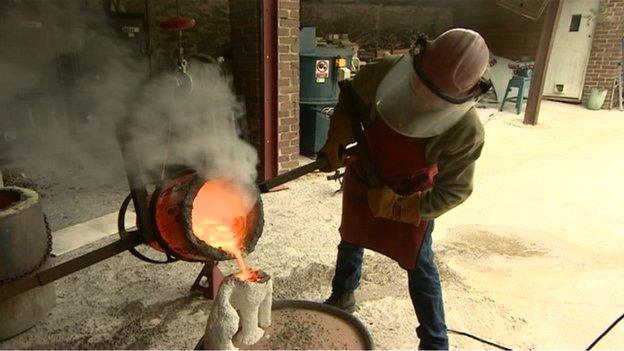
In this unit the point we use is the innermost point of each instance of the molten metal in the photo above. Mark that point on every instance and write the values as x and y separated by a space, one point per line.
219 219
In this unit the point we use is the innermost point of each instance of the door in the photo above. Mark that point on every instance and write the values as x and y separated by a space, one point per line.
570 53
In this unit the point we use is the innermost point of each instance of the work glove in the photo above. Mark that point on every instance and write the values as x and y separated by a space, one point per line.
385 203
338 137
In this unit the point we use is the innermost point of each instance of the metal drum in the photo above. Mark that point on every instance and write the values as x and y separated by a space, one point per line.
307 325
313 90
172 207
319 90
314 125
25 245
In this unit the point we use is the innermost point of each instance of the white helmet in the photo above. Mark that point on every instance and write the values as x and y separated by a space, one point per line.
426 93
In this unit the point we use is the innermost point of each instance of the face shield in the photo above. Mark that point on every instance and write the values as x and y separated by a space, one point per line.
409 106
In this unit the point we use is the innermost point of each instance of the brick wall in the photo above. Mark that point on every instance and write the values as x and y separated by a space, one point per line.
606 50
506 33
288 84
246 64
387 24
395 23
211 34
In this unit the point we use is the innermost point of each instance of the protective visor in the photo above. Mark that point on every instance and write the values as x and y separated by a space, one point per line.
410 108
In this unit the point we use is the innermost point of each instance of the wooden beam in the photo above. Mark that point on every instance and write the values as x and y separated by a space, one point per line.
544 48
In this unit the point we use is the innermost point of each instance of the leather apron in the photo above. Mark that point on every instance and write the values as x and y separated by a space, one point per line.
400 164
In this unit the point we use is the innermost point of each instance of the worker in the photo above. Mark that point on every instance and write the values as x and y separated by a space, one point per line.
419 136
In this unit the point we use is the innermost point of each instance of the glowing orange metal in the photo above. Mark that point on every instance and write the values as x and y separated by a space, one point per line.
218 218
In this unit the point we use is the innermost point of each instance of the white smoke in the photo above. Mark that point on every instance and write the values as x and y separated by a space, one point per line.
199 129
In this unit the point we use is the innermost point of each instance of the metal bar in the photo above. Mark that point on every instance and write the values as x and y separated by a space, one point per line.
62 269
269 88
269 184
544 48
137 184
293 174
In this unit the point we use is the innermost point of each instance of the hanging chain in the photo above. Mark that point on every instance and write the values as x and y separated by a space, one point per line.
41 262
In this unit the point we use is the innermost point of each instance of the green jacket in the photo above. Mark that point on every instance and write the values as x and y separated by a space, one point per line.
455 151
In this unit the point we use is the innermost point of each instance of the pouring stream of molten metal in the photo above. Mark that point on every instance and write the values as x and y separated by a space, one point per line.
218 217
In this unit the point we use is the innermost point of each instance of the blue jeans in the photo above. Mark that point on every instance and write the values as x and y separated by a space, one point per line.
423 283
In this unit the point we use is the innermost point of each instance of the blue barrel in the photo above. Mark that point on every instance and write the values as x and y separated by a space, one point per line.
313 124
325 90
318 88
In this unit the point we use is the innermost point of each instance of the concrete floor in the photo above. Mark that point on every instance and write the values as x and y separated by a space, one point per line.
532 260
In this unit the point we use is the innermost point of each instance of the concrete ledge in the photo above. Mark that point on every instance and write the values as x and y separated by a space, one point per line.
79 235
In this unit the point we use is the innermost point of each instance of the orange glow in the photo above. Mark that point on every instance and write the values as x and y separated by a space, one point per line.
249 275
219 212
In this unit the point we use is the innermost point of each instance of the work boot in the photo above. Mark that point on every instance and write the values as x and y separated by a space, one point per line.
345 301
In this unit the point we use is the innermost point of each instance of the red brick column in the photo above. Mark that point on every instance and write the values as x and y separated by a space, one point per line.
288 84
606 50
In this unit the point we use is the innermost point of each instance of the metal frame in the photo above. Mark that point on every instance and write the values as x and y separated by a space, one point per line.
269 88
60 268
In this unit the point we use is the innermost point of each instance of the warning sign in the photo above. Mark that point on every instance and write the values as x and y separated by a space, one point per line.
322 70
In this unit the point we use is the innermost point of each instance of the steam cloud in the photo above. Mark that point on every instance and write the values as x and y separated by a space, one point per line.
197 128
74 122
